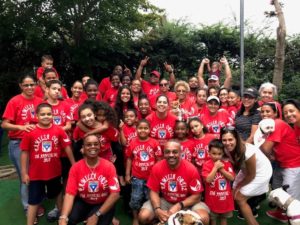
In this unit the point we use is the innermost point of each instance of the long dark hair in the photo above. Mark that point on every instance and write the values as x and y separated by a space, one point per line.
119 105
252 111
238 154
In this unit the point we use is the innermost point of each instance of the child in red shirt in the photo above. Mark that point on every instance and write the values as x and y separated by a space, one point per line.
181 135
41 150
218 174
143 152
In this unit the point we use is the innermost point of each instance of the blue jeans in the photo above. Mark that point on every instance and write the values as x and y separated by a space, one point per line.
139 193
15 155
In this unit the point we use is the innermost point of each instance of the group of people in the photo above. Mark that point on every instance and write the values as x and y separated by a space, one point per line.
164 145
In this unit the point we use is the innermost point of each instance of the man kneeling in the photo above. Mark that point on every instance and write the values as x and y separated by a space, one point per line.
178 183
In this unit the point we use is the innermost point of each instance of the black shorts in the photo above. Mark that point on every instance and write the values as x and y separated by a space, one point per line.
65 167
39 189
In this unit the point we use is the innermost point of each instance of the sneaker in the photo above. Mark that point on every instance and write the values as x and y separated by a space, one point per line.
40 211
241 217
277 215
53 215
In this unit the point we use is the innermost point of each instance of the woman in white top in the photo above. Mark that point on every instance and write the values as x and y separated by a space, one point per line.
253 167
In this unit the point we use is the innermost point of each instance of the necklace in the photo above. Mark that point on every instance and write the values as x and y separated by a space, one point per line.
92 168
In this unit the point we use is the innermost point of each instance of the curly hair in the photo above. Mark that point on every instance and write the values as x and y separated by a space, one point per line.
109 112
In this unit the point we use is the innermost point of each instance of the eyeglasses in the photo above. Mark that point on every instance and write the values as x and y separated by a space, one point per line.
28 85
163 84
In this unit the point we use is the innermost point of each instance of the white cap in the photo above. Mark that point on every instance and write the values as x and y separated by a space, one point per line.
212 97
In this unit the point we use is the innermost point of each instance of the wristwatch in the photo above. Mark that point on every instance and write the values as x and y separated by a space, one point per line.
98 213
64 217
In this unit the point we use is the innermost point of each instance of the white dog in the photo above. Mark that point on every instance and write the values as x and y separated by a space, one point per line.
183 217
265 127
285 201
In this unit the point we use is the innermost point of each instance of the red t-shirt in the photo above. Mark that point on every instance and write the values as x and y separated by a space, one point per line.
218 194
150 89
215 123
40 71
44 147
74 105
144 154
187 149
104 85
129 133
199 111
21 111
297 132
110 96
188 108
175 185
200 149
232 110
162 129
61 113
39 92
286 148
93 185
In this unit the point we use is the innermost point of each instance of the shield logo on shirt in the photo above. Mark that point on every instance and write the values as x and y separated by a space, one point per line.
201 154
57 120
93 186
162 134
172 186
222 184
32 113
46 146
216 128
144 156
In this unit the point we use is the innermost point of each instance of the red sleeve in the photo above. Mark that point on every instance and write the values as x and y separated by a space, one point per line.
113 134
206 169
25 143
39 72
64 139
153 182
9 112
113 182
195 186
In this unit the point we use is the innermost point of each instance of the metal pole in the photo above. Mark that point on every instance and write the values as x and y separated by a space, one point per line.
242 45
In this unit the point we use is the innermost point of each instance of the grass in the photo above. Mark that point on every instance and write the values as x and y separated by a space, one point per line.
11 212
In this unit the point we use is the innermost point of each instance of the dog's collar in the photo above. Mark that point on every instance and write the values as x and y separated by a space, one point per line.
288 202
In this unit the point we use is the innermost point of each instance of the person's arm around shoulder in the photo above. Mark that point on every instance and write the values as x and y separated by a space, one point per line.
8 125
201 72
228 75
139 71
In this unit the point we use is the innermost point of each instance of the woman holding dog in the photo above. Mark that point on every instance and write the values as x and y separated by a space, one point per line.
254 171
284 143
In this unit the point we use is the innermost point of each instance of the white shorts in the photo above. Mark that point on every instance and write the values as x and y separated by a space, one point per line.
291 177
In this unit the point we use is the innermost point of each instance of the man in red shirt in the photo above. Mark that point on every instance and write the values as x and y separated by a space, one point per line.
178 183
151 87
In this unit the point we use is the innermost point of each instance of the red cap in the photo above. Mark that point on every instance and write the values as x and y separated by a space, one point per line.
155 73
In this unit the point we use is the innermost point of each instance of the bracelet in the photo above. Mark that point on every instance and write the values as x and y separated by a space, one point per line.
181 205
64 217
157 208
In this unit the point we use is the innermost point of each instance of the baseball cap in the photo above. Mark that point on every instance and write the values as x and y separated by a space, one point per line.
155 73
212 97
213 77
251 92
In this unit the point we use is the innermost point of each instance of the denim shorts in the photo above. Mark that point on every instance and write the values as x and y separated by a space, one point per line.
139 194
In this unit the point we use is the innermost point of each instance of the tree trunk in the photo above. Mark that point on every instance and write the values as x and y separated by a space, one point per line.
280 47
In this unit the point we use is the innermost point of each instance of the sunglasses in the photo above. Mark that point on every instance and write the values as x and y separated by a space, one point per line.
228 128
163 84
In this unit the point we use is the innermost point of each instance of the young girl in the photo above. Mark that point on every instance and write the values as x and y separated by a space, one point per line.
110 95
201 141
41 150
234 103
218 173
144 108
75 100
142 154
128 128
102 126
124 102
181 134
91 90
